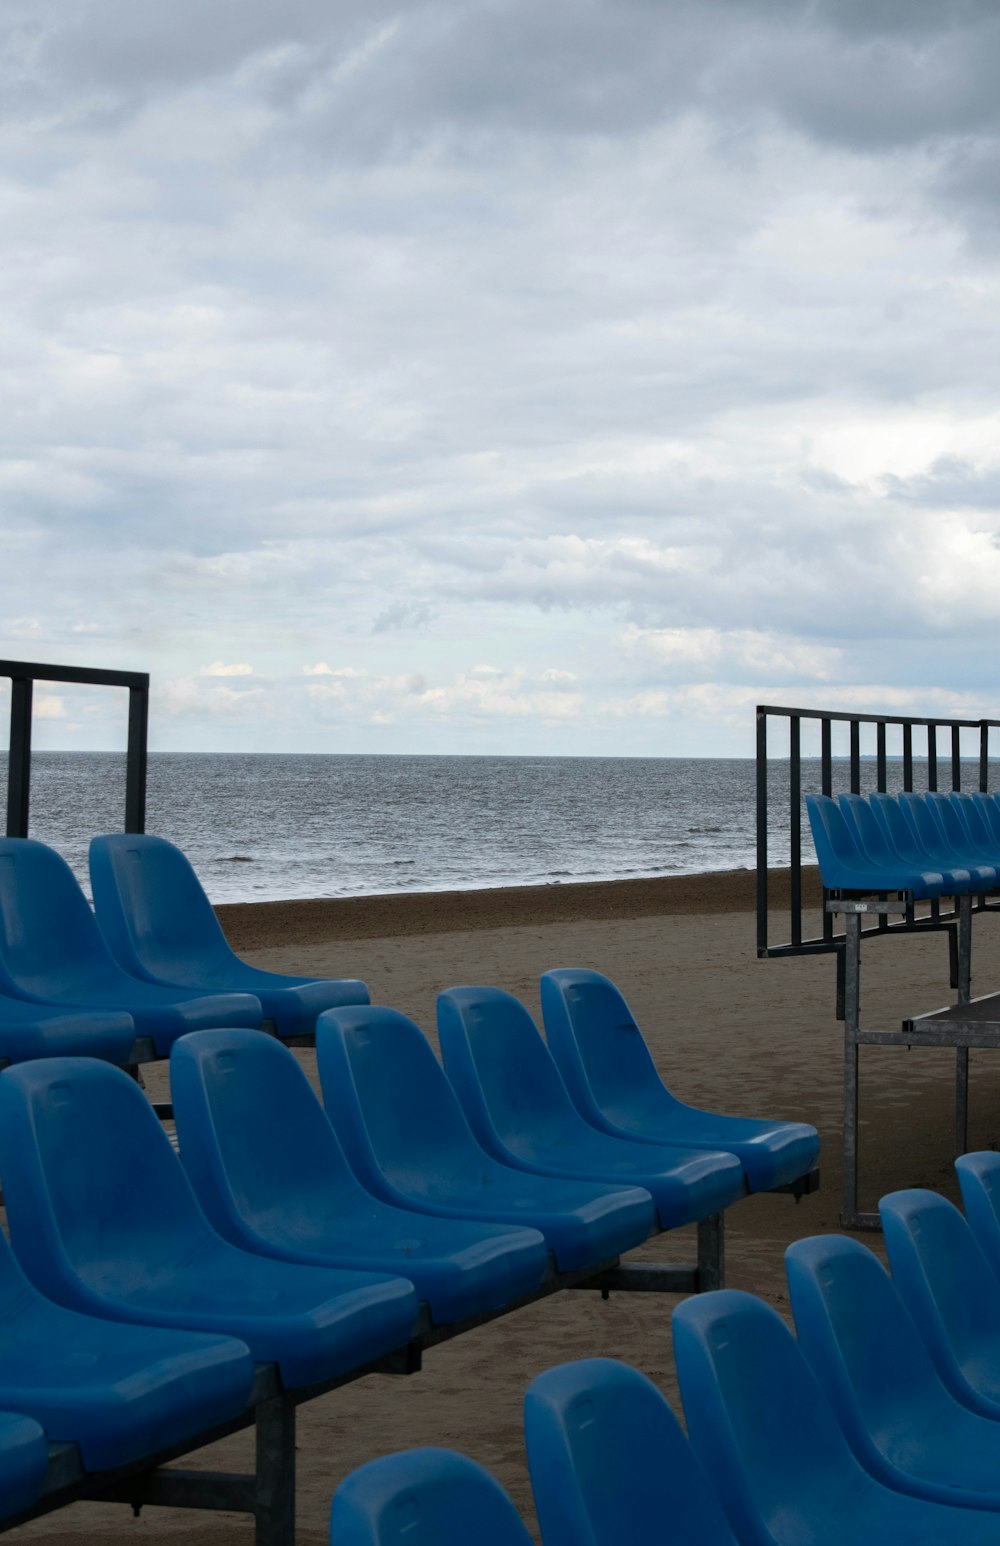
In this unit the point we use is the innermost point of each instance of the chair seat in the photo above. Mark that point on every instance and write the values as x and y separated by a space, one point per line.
162 1014
119 1391
33 1031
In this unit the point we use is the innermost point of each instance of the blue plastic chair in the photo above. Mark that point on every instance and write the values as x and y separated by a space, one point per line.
979 1179
24 1458
424 1497
946 1283
161 927
609 1464
925 820
613 1083
845 866
900 833
118 1392
408 1142
766 1435
900 1419
103 1220
52 952
33 1031
518 1108
271 1176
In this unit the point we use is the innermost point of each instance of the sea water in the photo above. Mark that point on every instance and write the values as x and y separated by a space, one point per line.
259 827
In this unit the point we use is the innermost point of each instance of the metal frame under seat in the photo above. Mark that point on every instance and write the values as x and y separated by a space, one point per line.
956 1026
268 1492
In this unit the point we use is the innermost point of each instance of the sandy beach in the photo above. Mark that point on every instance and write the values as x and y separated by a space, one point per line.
727 1030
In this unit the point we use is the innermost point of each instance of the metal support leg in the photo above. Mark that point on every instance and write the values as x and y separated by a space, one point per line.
275 1503
711 1253
964 995
852 1013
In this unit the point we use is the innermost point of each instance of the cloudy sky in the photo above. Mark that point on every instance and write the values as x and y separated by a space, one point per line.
496 375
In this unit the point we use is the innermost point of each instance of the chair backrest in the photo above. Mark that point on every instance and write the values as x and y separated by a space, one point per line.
861 1343
980 833
49 939
760 1423
609 1463
926 824
870 834
898 829
598 1047
389 1100
93 1189
151 907
943 1277
833 840
500 1068
254 1139
990 809
979 1179
424 1497
952 823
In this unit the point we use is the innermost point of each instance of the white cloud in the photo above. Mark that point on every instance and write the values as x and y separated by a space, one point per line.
643 351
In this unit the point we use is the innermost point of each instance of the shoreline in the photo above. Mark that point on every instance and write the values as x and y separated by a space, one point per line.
252 925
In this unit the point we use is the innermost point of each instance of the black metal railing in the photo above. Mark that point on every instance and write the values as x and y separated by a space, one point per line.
880 769
23 675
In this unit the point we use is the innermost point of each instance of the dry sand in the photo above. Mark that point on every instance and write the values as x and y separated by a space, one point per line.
727 1030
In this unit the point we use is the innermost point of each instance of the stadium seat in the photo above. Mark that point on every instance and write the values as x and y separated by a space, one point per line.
899 1418
52 952
979 1179
609 1464
35 1031
271 1176
517 1106
845 865
768 1439
161 927
613 1082
119 1392
424 1497
408 1142
946 1283
103 1220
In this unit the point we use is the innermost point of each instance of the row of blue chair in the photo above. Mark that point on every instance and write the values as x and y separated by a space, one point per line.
135 1282
166 948
70 983
880 1422
927 845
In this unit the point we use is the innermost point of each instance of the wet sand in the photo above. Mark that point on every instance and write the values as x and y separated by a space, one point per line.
727 1030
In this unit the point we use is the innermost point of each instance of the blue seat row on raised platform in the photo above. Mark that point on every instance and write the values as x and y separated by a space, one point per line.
880 1422
926 845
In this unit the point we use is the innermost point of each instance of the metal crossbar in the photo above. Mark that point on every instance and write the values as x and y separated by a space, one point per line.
23 675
